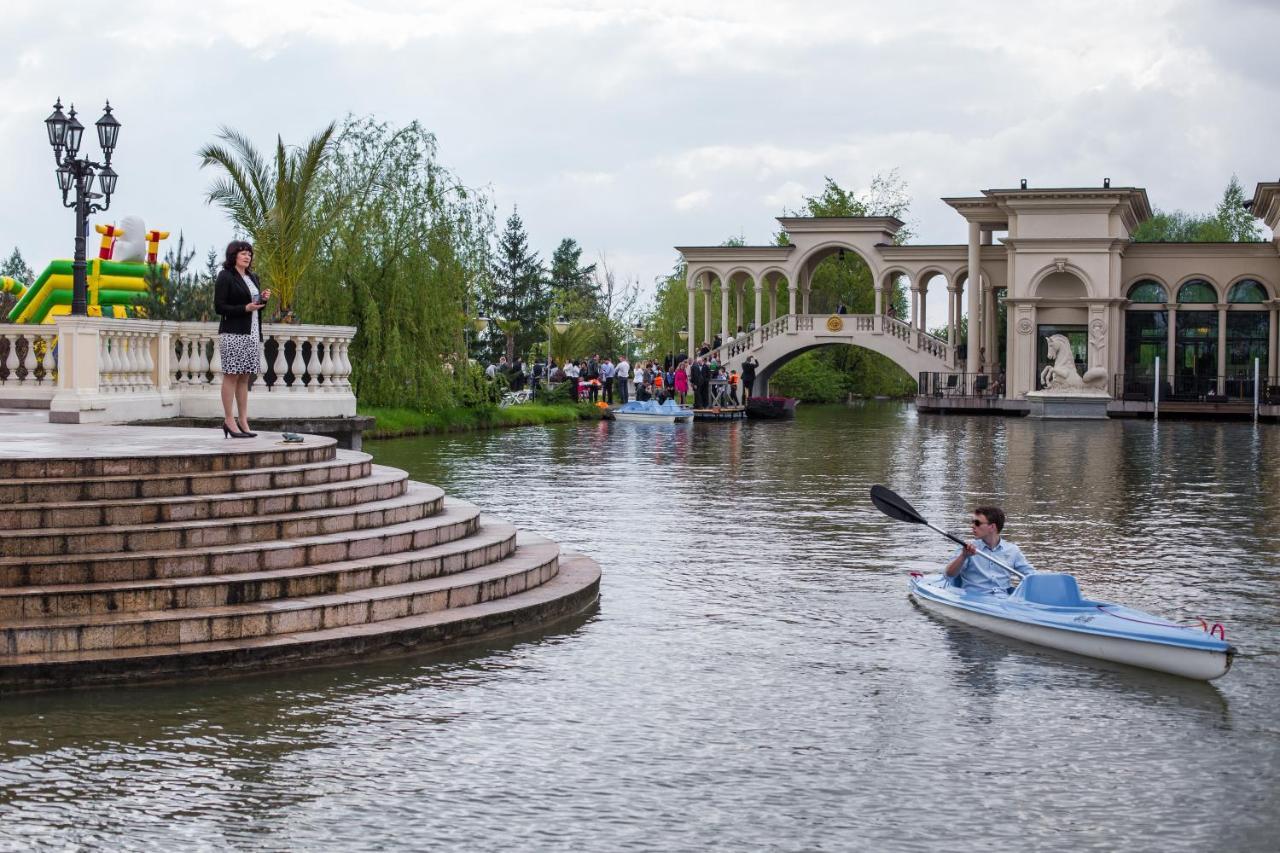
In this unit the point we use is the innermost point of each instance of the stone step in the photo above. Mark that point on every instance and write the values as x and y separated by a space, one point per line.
532 563
494 540
404 504
230 455
113 512
455 520
574 588
345 465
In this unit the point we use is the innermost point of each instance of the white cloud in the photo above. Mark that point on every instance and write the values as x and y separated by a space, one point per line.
692 201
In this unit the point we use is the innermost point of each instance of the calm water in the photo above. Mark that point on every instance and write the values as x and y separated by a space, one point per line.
754 676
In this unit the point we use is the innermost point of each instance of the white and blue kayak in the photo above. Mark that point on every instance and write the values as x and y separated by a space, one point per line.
1047 609
653 412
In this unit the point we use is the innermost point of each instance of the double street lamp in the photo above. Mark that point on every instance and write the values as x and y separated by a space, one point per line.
76 174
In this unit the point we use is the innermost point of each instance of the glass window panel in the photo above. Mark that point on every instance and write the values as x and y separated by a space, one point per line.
1146 336
1195 354
1248 333
1247 290
1147 291
1197 290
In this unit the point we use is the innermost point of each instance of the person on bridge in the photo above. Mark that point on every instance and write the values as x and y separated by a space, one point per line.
748 378
972 571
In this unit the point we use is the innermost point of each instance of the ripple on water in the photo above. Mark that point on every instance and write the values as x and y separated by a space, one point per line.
754 676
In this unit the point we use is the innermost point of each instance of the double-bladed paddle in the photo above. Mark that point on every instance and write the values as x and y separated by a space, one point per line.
892 505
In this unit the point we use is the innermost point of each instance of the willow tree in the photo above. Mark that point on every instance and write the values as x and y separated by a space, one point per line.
404 264
277 204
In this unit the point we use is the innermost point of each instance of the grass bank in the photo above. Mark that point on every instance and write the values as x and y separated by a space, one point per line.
394 423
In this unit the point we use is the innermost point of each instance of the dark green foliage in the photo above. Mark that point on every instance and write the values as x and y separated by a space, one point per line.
519 300
1231 222
573 289
184 295
829 375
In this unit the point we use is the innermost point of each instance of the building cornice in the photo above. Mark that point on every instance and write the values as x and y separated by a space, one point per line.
1202 250
1066 244
734 254
943 252
1266 205
825 224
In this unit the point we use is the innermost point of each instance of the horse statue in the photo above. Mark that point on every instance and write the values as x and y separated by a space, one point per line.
1061 375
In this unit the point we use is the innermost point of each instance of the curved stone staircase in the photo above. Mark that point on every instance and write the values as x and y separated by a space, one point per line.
252 554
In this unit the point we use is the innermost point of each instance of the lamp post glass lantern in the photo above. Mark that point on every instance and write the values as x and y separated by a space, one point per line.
75 175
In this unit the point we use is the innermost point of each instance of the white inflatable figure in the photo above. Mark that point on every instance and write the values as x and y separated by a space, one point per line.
131 246
1061 375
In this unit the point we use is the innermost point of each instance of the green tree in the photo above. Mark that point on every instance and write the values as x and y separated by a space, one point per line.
405 263
519 298
572 286
276 204
1231 222
17 269
182 294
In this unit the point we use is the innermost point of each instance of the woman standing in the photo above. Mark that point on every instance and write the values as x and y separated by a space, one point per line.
682 380
237 298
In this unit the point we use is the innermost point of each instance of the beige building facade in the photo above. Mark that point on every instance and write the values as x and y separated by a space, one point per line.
1051 261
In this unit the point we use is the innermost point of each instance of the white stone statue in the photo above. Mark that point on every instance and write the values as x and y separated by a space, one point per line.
1061 377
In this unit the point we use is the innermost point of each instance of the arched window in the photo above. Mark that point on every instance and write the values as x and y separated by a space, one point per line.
1197 290
1247 290
1148 291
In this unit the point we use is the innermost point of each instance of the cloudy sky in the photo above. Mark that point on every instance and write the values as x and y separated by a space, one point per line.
635 127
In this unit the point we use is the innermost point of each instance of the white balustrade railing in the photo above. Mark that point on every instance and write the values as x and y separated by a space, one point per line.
103 369
28 368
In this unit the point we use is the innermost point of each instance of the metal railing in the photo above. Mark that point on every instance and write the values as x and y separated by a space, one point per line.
972 385
1235 387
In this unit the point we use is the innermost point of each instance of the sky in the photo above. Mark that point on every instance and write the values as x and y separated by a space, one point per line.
637 127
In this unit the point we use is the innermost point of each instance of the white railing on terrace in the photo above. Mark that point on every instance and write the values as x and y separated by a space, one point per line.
116 370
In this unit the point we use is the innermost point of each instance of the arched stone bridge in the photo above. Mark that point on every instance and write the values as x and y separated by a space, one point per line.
776 343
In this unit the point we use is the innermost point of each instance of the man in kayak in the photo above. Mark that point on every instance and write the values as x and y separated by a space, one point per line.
972 571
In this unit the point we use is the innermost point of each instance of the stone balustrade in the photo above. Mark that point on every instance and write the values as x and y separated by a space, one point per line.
94 369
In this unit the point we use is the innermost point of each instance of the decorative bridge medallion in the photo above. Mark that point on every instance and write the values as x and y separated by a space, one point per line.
834 323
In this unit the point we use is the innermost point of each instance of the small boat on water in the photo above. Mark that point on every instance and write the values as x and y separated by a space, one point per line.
650 411
1048 610
771 408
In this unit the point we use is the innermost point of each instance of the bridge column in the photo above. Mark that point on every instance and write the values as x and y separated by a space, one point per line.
973 339
791 298
738 305
773 300
924 306
759 302
915 307
706 313
724 310
879 299
692 341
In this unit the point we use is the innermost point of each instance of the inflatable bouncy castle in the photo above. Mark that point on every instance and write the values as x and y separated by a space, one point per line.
117 277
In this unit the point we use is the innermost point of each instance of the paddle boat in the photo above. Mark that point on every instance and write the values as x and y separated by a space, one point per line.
1047 609
650 411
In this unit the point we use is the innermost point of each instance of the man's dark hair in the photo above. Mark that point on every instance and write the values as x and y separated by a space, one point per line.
993 514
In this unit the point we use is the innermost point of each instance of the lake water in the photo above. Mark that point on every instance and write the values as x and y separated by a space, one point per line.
754 677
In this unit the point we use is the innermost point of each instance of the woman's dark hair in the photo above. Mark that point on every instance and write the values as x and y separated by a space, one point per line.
234 248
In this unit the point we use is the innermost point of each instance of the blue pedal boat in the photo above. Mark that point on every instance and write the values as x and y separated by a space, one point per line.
1047 609
650 411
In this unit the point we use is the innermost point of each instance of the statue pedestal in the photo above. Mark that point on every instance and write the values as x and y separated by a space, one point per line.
1064 405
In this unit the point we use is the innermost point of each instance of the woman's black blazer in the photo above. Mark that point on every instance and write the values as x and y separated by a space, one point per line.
230 296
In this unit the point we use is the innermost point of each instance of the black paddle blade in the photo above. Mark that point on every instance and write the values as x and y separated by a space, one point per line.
894 506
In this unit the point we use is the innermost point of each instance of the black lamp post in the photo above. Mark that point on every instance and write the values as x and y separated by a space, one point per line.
76 174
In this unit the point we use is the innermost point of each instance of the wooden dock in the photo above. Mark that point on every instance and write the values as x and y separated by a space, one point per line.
720 413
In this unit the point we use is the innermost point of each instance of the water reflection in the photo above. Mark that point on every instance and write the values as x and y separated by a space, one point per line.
754 656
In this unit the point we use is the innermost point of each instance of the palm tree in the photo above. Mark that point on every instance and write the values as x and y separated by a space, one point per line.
276 204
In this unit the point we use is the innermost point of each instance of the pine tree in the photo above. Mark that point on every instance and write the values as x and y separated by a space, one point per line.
1236 219
573 287
15 268
520 301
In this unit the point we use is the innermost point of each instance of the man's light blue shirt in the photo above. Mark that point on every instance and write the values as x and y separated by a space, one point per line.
981 575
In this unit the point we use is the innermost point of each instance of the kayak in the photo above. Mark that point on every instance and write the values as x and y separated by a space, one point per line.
1047 609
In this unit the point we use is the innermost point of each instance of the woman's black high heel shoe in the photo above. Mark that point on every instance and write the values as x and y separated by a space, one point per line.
228 432
248 434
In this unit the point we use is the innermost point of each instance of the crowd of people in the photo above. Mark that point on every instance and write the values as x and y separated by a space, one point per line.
601 379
